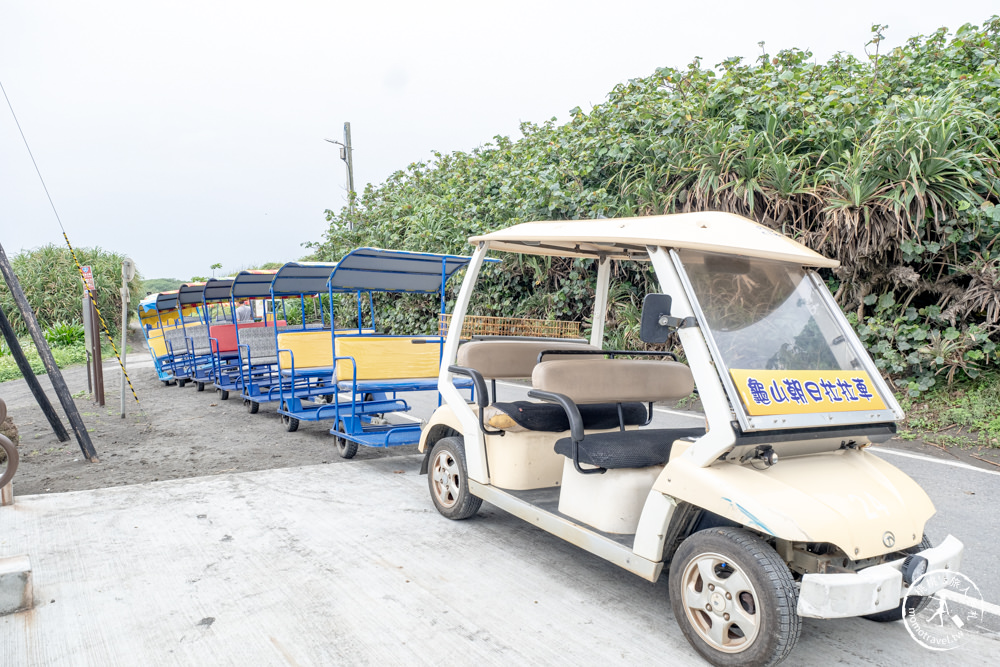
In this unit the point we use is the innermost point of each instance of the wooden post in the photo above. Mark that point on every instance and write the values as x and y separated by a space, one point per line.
98 362
29 377
55 376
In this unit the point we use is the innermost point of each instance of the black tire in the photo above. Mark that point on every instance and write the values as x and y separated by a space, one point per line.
734 598
10 454
201 386
181 383
346 448
224 394
915 602
291 424
251 406
448 480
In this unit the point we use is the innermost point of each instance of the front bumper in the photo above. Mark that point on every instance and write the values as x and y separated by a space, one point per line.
873 589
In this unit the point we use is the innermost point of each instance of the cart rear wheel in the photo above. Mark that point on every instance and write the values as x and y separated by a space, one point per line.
201 386
914 602
251 406
346 448
734 598
181 383
224 394
448 480
291 423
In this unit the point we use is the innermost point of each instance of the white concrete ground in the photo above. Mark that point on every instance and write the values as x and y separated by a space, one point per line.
346 564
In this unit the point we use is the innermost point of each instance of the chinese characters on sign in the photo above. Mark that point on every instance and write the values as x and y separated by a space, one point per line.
88 278
796 392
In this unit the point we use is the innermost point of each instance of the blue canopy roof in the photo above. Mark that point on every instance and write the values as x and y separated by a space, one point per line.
394 271
217 289
166 301
190 293
301 278
254 284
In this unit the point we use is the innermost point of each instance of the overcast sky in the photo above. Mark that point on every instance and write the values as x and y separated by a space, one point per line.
186 133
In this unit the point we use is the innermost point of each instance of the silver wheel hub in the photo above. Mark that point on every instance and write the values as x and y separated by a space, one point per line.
446 479
720 603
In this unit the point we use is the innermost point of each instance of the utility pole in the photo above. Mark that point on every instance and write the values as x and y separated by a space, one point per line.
349 158
347 155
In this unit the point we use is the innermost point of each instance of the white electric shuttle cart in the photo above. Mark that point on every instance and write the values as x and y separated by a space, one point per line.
771 511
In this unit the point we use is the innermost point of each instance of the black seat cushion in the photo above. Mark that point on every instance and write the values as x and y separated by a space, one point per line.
627 449
551 417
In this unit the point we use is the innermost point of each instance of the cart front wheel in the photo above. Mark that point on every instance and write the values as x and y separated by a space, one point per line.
734 598
251 406
448 479
224 394
346 448
181 383
201 386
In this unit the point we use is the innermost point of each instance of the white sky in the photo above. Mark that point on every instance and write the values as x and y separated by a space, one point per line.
186 133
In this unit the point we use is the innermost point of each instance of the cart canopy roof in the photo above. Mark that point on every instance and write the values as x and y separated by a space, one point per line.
190 294
394 271
166 301
296 278
627 238
217 289
254 284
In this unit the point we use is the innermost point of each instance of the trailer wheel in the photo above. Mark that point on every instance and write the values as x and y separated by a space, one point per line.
291 423
224 394
346 448
201 386
734 598
448 480
915 602
251 406
181 383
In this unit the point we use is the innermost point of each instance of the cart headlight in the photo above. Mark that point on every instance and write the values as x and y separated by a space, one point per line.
914 567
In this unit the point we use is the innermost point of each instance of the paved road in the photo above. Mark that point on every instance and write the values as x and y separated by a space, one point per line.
350 564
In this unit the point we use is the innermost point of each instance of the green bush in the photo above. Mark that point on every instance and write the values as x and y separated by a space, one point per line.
52 285
889 163
65 334
64 356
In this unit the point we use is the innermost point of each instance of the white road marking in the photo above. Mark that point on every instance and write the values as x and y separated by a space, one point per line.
920 457
975 603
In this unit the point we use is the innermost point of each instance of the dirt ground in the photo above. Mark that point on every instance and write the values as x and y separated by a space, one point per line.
179 432
172 433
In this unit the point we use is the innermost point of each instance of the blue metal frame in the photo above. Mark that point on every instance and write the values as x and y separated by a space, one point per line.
300 279
366 271
255 379
159 362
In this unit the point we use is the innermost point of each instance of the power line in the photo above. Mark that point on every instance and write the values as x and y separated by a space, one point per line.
72 252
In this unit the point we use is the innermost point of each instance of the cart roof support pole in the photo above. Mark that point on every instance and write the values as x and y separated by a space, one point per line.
55 376
29 377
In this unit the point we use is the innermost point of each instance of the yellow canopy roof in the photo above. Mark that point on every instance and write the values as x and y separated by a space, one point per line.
627 238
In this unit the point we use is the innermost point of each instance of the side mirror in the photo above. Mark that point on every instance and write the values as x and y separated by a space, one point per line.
656 321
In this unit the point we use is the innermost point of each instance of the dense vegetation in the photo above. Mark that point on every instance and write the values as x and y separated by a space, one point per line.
52 285
889 163
156 285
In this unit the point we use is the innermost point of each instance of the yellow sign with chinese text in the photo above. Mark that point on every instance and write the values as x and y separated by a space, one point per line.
802 392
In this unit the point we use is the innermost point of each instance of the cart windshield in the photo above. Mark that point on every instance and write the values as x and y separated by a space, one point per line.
784 350
766 315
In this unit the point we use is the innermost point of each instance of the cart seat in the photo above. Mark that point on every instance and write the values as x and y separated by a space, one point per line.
528 416
581 383
631 449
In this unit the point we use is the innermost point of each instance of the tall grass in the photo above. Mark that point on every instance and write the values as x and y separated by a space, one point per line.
52 285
